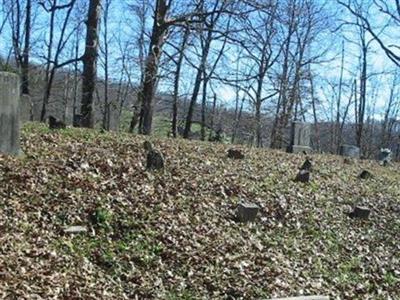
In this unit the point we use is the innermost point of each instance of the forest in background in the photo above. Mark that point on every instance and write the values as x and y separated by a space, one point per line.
247 68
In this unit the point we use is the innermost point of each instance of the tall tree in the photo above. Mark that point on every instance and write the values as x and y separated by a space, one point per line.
89 61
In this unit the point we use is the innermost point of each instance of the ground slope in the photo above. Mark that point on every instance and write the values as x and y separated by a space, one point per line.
170 235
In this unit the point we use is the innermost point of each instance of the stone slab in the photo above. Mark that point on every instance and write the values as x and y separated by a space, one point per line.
301 134
350 151
75 229
9 113
247 212
299 149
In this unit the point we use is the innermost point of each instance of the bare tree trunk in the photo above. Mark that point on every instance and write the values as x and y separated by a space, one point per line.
176 82
362 99
204 106
25 58
90 63
147 91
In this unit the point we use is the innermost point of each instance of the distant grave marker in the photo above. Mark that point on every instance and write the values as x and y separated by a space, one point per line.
350 151
385 156
9 113
365 174
235 154
54 123
300 138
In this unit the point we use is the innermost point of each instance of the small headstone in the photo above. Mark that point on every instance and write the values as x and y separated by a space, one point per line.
385 156
9 113
307 165
154 159
300 139
365 175
360 212
303 176
235 154
75 229
77 120
350 151
347 161
247 212
54 123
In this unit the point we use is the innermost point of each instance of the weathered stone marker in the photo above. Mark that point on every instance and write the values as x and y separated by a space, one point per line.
360 212
9 113
303 176
385 156
54 123
300 138
365 175
350 151
235 154
154 158
247 212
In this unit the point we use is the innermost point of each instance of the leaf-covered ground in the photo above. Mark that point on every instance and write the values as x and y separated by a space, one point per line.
171 234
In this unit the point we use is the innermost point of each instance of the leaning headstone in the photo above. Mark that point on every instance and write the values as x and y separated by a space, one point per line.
154 159
9 113
26 108
235 154
247 212
300 138
360 212
54 123
350 151
385 156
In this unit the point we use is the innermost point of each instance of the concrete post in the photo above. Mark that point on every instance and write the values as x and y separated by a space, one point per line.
9 113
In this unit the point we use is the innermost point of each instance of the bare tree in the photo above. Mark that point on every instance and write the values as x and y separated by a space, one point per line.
52 60
386 10
89 61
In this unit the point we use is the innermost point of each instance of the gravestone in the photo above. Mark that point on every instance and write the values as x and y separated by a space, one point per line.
365 175
154 158
54 123
25 111
350 151
77 120
235 154
360 212
247 212
300 138
385 156
9 113
303 176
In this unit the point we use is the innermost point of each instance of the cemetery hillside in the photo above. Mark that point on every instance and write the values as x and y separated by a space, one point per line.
85 215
